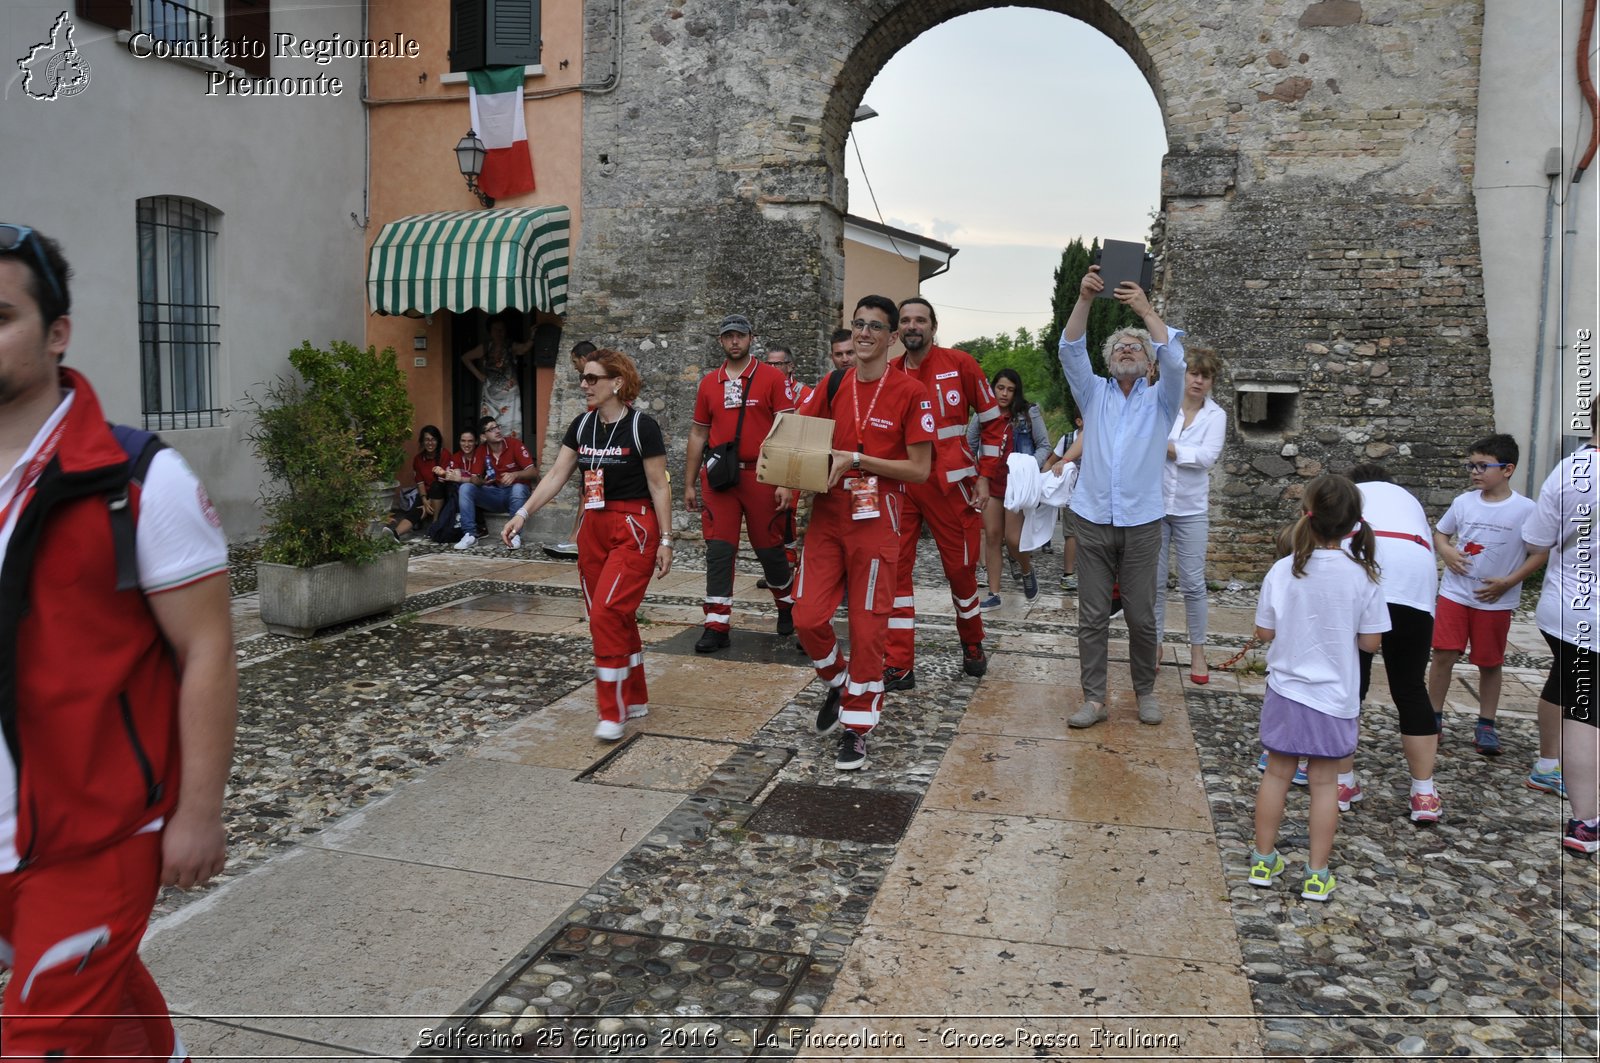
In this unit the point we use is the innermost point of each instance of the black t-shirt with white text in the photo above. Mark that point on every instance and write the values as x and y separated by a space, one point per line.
618 449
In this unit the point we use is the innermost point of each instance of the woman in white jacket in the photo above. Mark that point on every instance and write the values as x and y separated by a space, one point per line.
1193 446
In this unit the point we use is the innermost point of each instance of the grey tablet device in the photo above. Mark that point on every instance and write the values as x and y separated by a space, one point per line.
1123 260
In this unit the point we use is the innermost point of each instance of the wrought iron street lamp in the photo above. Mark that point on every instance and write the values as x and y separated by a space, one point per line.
470 153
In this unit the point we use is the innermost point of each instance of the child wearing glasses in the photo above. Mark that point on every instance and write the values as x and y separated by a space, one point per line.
1483 572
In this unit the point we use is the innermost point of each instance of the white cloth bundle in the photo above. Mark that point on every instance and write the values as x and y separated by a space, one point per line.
1037 495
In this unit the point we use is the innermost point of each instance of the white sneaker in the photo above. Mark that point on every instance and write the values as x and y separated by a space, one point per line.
637 711
516 542
607 731
466 542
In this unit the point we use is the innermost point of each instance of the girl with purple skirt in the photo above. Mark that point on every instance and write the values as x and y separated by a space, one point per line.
1326 604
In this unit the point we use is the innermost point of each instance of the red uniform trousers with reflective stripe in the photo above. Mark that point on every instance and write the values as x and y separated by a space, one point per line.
769 529
956 527
861 555
616 557
70 933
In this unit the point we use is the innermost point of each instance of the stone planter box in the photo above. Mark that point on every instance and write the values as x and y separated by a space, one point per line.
300 601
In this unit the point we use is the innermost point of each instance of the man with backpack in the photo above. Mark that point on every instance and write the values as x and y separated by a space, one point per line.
117 687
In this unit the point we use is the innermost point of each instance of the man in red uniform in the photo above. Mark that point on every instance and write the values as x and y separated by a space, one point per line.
882 440
952 498
782 359
499 479
842 349
117 689
740 389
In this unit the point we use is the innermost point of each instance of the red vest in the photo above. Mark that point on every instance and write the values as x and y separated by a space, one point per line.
88 687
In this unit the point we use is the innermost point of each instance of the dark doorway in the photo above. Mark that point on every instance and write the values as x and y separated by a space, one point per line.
470 330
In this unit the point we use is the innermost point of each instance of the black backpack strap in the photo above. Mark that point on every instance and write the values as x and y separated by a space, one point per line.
835 378
141 447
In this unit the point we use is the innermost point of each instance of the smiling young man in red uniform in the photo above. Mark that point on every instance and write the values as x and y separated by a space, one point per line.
951 499
760 391
882 440
117 689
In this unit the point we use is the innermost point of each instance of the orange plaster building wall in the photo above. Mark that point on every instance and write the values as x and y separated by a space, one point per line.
415 122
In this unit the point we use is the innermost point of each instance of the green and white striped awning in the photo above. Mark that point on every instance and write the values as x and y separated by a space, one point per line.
472 259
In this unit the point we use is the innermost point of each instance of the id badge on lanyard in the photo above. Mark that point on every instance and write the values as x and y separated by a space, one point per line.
594 489
732 393
863 496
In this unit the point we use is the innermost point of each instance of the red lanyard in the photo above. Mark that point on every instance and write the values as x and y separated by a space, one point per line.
861 422
35 469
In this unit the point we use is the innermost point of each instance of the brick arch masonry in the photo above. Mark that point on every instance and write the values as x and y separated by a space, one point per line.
1318 221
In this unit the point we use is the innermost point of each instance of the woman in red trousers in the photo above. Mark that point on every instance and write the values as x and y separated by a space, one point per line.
627 504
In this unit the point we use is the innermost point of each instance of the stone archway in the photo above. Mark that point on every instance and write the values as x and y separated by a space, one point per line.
1318 218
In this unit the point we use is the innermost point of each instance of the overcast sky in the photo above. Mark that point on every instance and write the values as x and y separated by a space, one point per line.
1007 133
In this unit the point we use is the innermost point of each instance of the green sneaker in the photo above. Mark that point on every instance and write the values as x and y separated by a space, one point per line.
1264 869
1318 885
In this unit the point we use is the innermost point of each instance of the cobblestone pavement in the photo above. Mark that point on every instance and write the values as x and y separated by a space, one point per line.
1475 937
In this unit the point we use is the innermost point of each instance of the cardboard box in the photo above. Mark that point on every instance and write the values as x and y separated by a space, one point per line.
796 451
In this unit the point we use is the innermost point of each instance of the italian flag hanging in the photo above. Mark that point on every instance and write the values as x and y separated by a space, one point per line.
496 102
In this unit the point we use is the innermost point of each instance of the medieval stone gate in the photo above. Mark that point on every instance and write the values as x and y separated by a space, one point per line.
1317 217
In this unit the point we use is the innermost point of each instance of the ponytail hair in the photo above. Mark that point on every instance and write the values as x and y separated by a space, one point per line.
1363 547
1332 510
1283 542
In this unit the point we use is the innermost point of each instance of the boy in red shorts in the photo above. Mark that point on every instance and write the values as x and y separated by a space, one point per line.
1484 570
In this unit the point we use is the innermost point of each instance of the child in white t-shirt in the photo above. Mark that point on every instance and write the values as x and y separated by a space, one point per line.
1326 604
1483 573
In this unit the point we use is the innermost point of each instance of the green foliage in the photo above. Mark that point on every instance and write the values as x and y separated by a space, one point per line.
1105 317
1020 351
1060 423
368 388
323 441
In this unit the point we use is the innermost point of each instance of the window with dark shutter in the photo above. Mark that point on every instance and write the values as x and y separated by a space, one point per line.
248 26
493 33
118 14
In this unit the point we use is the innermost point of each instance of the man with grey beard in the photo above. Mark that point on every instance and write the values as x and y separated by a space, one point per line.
1118 498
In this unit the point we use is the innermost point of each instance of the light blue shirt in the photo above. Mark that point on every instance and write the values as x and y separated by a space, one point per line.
1124 436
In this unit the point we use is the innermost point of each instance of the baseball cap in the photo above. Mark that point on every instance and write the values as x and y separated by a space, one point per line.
735 323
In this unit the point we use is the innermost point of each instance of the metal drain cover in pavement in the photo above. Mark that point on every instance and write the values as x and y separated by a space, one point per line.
877 817
746 646
593 992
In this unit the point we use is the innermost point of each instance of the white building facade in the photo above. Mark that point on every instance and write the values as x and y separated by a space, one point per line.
210 232
1536 227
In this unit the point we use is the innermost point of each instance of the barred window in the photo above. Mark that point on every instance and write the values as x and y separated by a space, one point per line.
169 20
178 328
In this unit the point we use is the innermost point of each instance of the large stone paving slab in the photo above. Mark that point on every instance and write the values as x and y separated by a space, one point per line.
1147 786
718 681
498 818
909 994
1015 879
661 762
343 949
237 1041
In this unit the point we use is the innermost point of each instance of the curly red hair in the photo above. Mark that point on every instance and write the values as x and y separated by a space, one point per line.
622 368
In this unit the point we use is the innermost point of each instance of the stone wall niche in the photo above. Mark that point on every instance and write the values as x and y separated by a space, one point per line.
1265 410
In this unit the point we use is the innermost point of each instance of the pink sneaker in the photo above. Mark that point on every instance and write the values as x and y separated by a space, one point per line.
1349 795
1425 808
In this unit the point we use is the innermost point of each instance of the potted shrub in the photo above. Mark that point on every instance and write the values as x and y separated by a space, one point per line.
323 438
